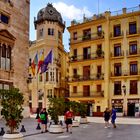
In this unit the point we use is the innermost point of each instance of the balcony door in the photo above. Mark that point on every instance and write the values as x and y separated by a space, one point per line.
86 72
86 53
117 69
132 28
86 91
117 30
117 49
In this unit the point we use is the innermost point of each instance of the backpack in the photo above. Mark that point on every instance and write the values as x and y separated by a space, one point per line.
42 117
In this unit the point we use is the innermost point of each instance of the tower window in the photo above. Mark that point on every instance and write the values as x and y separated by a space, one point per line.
4 18
50 31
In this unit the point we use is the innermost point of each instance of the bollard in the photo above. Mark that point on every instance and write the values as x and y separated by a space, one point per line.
50 124
38 127
2 132
61 123
22 129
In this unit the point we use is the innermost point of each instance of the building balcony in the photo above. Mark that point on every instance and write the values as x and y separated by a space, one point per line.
85 57
90 94
133 33
117 92
57 62
117 55
133 91
134 53
6 75
125 73
89 37
80 78
116 36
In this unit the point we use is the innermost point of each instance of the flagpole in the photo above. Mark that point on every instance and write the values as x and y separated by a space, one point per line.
98 7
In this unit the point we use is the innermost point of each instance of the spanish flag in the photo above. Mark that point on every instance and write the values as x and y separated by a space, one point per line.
41 60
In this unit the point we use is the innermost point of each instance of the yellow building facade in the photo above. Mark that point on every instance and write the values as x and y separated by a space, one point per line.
105 63
52 82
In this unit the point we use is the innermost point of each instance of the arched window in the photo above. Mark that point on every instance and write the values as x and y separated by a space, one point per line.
5 57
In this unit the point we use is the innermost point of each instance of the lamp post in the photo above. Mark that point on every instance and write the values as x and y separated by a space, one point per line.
124 93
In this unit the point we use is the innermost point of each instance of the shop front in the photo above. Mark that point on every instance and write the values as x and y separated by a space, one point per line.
133 107
118 103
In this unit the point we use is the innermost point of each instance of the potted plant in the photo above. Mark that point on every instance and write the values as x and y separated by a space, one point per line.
12 101
82 112
75 109
56 108
99 52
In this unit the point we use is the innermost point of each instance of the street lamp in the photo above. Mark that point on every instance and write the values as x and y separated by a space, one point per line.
124 91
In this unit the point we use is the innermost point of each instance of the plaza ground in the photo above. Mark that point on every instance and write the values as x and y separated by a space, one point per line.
127 129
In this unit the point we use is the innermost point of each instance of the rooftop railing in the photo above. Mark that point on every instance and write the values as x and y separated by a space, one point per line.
103 15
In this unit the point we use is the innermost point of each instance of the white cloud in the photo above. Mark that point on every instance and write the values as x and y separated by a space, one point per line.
71 12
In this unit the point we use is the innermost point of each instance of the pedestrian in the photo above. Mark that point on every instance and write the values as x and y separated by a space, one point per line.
68 120
38 117
113 116
44 120
106 117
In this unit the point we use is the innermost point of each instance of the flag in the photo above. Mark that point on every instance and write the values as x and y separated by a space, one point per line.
33 68
41 60
36 59
47 60
34 63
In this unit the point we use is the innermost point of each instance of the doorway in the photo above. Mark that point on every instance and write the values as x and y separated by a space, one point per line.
131 109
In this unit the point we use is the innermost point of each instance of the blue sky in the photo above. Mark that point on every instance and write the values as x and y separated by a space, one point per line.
74 9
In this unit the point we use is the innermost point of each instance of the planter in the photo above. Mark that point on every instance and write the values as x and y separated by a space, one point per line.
83 120
75 123
55 129
16 136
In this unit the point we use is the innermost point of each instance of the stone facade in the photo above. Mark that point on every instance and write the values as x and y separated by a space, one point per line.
51 83
14 33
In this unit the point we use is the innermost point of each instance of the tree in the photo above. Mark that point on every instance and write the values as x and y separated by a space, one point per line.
74 107
82 110
56 108
12 101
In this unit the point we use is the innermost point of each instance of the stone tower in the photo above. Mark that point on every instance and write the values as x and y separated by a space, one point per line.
49 36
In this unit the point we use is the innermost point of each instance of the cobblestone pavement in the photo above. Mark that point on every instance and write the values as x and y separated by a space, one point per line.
127 129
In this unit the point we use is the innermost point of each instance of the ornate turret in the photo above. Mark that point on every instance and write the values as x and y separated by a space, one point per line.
49 13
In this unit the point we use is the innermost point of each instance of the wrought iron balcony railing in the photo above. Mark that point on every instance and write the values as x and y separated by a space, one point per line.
125 73
113 35
77 78
133 32
93 36
87 94
92 56
134 52
120 54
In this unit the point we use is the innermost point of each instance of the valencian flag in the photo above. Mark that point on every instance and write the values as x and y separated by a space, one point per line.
41 60
34 63
47 60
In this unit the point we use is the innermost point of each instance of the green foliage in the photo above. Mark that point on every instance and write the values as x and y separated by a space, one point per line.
74 107
12 101
82 110
56 108
99 52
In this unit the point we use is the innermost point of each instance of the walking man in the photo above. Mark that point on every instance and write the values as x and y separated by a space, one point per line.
107 117
68 120
44 120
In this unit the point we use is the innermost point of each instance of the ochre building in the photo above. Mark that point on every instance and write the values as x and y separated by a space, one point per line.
105 62
14 42
52 82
